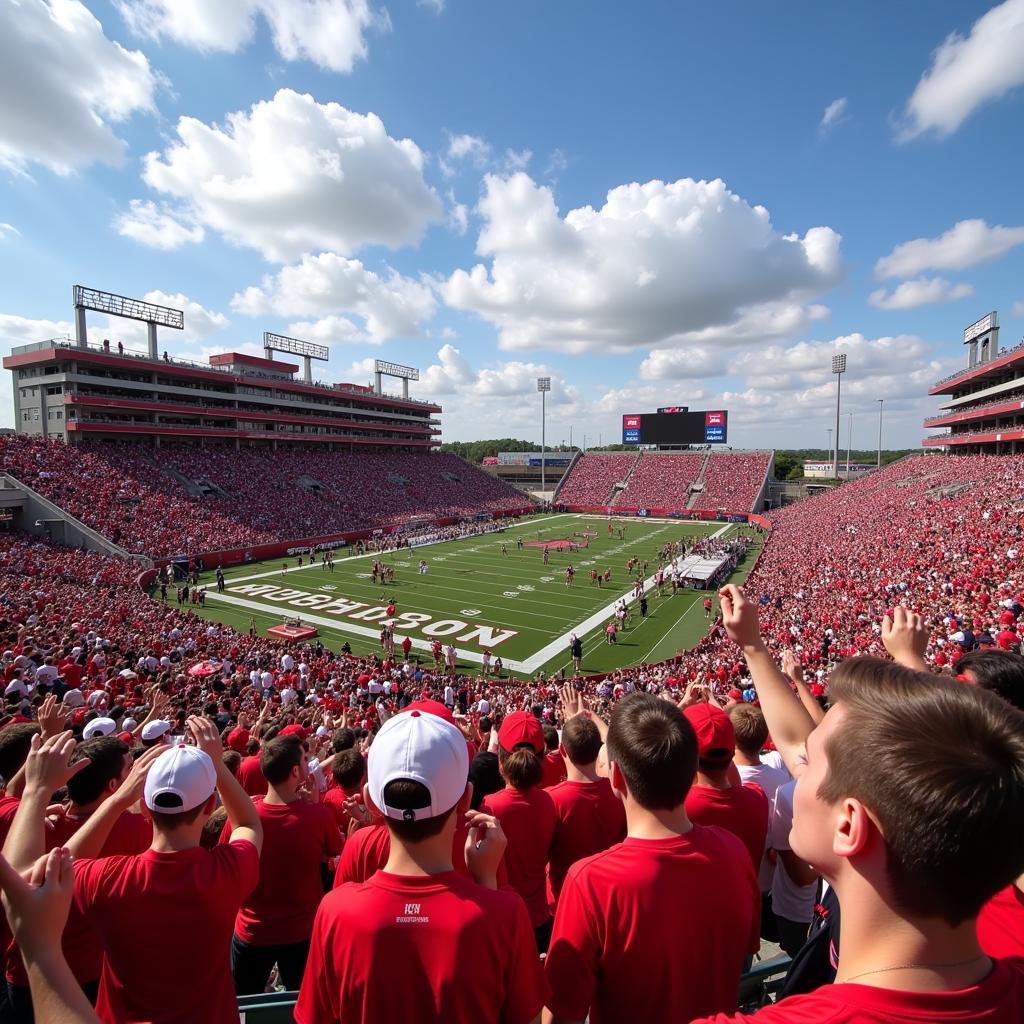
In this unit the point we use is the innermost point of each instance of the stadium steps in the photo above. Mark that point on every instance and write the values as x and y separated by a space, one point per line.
618 489
697 487
75 532
576 456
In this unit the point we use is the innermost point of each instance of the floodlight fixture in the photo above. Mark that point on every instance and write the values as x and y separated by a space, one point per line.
382 368
151 314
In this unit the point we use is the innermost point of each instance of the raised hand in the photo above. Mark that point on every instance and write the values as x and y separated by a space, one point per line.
37 905
204 732
791 666
739 616
52 717
485 846
47 768
134 783
905 638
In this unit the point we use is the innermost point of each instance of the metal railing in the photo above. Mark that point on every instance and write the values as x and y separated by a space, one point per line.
980 366
66 342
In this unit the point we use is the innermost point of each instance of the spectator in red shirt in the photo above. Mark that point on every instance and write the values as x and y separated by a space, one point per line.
657 927
275 921
589 816
527 816
250 773
193 894
108 762
553 763
463 948
908 804
714 799
1001 921
348 770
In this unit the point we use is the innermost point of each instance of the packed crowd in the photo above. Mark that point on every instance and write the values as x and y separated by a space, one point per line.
661 481
591 480
136 497
733 481
881 598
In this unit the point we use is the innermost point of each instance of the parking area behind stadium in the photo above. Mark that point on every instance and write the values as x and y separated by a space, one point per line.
477 596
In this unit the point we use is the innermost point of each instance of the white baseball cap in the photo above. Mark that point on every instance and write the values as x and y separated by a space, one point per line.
154 730
423 748
129 724
99 727
180 779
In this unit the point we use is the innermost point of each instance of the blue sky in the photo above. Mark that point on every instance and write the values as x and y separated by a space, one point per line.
654 203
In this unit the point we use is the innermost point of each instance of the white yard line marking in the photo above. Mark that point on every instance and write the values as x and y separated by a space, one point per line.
546 653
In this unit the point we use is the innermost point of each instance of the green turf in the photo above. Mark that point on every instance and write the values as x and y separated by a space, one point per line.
470 581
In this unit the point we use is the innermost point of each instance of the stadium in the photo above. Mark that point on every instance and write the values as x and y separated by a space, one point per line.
325 704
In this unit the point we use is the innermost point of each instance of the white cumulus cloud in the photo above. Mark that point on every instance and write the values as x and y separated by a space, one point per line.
330 33
147 223
8 231
655 263
292 175
922 291
64 86
1018 308
966 244
969 71
334 288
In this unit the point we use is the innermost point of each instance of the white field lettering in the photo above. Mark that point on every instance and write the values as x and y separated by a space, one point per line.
404 622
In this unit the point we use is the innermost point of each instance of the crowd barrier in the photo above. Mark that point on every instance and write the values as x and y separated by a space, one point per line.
757 988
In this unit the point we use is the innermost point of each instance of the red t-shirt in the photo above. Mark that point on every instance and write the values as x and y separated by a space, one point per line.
552 768
368 849
250 776
1001 924
472 948
297 838
742 810
528 820
654 929
165 923
334 800
999 999
590 818
130 834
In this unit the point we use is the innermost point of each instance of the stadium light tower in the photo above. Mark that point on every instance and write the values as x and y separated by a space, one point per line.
838 368
543 386
878 464
849 445
829 444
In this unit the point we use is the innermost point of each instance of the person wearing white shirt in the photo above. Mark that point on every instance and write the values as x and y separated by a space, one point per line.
449 695
794 885
268 680
287 662
287 696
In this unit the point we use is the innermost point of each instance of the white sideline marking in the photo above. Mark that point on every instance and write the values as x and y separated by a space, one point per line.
547 652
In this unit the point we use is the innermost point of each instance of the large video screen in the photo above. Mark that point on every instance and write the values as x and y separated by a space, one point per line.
665 428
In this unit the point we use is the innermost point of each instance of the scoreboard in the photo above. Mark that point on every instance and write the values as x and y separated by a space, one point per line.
683 427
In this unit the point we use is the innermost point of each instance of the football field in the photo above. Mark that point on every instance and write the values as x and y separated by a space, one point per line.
487 592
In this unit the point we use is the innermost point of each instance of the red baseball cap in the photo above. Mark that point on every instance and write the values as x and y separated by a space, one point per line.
432 707
716 738
521 727
239 738
295 730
